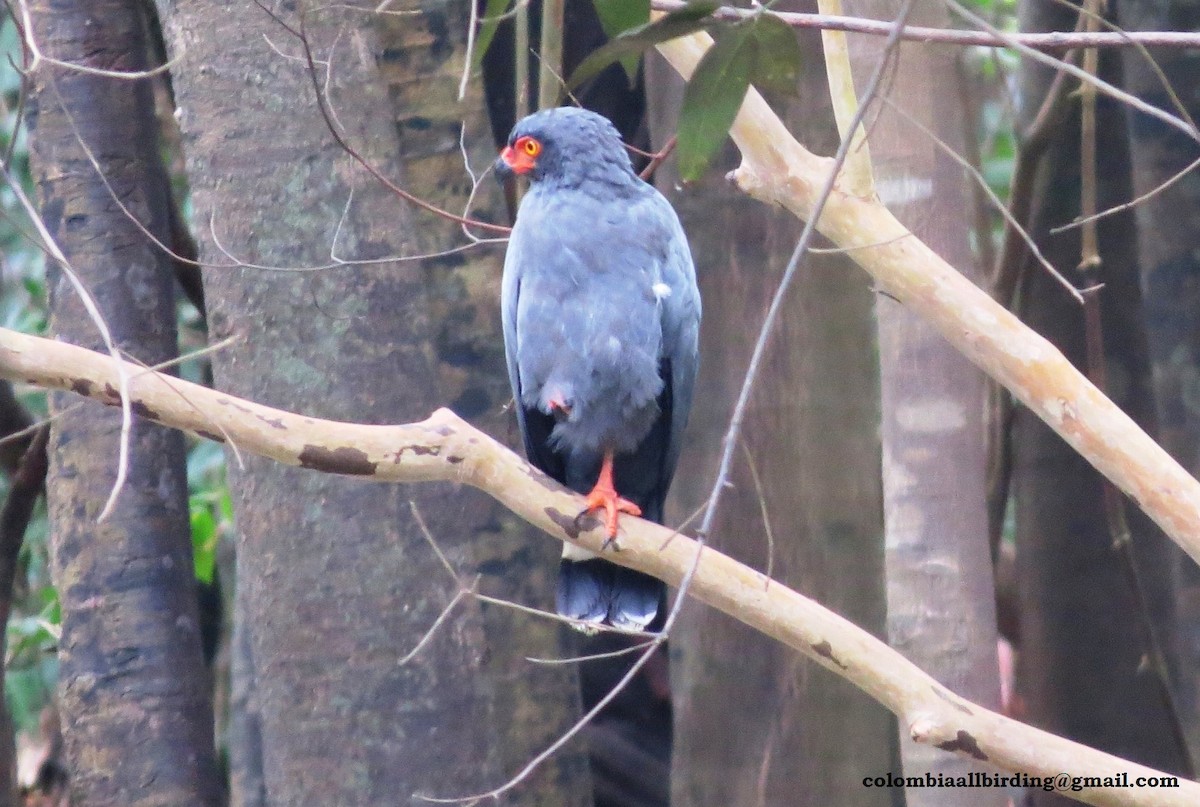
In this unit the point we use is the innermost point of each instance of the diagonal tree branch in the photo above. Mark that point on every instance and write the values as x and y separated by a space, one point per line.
778 170
444 447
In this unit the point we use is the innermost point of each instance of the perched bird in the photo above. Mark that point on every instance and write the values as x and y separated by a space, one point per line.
601 316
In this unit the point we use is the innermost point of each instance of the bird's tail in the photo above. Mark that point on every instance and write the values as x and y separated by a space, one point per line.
598 592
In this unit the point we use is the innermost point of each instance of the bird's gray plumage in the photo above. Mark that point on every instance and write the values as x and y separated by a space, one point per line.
601 312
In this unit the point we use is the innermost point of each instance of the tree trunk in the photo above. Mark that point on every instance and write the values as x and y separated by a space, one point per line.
1170 261
940 593
133 690
1080 663
337 582
533 704
756 724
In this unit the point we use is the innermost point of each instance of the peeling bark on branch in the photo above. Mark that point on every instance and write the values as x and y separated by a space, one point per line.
778 170
444 447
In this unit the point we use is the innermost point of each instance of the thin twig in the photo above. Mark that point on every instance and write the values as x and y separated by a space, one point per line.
624 651
1089 241
1155 191
1050 41
733 433
25 27
981 182
1100 20
331 124
1058 64
1033 142
659 157
93 312
761 494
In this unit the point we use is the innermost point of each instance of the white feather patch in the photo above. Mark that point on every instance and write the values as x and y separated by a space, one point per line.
661 290
577 553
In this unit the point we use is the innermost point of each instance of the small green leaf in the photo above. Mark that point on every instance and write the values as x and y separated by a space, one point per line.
204 542
777 56
695 16
488 24
226 506
619 16
712 99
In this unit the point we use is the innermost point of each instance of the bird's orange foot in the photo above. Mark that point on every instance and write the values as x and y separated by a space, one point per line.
606 499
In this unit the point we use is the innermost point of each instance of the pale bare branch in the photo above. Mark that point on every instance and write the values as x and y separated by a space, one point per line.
445 448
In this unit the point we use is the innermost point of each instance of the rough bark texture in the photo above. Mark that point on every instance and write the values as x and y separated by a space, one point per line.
133 691
940 597
1081 646
338 582
1170 262
422 55
755 723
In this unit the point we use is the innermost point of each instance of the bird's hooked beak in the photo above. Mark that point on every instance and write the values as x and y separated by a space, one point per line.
512 162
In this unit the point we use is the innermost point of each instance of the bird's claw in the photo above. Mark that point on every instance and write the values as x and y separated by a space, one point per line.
612 505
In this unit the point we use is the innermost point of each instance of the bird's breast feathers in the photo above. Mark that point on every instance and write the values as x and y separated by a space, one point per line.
588 327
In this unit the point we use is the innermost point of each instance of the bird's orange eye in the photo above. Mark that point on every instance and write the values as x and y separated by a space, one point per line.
530 146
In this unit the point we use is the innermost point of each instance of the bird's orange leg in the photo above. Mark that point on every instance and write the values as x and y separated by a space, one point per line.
604 496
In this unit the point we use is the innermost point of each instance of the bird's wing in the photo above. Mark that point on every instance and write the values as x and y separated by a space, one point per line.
680 317
535 426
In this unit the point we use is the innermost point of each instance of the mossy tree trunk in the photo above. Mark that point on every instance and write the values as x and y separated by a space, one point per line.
133 689
336 581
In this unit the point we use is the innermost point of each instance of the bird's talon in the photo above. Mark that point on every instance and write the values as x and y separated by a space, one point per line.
581 516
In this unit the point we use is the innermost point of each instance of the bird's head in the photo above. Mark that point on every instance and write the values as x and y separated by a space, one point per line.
565 146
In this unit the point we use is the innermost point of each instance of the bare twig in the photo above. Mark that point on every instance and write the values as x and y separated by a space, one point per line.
1105 87
1162 186
733 433
329 117
89 304
36 57
1010 263
761 495
980 181
1053 41
658 157
1089 239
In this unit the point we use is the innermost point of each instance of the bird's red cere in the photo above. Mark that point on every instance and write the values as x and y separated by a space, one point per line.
521 156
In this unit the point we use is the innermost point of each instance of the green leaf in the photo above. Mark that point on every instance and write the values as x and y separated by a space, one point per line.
777 56
488 24
204 542
619 16
712 99
25 693
695 16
